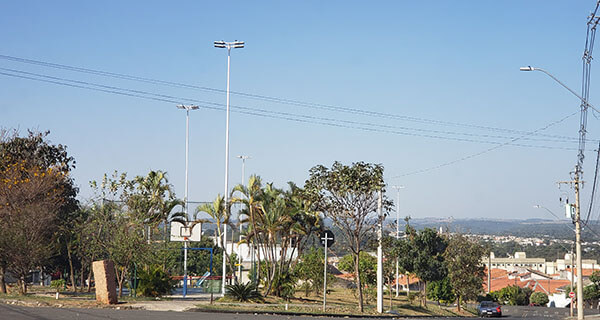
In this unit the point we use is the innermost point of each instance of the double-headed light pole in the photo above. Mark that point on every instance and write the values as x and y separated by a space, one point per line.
576 183
227 45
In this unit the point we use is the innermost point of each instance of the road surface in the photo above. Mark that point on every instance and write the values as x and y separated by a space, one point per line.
15 312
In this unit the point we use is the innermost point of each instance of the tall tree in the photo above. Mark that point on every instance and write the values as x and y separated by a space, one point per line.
34 165
465 270
423 255
348 195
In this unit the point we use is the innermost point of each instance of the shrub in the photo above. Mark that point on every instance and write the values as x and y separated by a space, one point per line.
513 295
539 298
154 282
59 284
243 292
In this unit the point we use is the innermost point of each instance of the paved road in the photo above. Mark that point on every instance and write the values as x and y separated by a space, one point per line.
14 312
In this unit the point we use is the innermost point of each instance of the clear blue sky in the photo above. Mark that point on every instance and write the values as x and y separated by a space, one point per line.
446 61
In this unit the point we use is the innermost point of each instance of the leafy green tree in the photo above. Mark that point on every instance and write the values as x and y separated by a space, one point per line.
591 294
539 298
465 270
348 195
367 267
37 201
423 255
441 290
310 269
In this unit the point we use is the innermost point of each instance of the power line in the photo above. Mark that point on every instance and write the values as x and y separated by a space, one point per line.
445 164
312 105
272 114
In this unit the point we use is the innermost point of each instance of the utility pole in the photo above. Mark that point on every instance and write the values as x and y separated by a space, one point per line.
572 276
577 220
397 236
579 295
380 256
489 275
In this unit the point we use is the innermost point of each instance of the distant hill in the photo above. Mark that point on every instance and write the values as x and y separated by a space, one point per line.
559 229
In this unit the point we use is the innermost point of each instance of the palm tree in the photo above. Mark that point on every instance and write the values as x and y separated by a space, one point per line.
250 197
217 210
154 201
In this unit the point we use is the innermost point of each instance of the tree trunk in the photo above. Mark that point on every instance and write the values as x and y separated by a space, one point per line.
390 290
71 271
89 279
165 225
458 303
358 285
2 282
120 280
22 284
149 236
82 275
425 294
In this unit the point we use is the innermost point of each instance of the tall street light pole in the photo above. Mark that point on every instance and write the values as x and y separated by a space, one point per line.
244 158
380 255
397 235
228 46
576 182
185 197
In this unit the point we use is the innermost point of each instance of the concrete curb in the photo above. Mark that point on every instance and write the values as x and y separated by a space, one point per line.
328 315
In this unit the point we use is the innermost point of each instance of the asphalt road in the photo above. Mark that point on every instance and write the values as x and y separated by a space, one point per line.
14 312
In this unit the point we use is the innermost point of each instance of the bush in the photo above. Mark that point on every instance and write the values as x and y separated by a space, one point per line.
539 299
154 282
243 292
441 291
513 295
59 284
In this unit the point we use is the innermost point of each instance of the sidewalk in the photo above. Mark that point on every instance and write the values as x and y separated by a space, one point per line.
166 305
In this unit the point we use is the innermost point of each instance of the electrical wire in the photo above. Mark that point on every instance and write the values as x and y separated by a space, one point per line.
268 98
269 113
594 186
471 156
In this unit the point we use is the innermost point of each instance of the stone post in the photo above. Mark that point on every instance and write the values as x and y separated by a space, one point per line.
106 281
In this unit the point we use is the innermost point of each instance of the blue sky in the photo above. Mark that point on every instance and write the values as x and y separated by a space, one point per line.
442 61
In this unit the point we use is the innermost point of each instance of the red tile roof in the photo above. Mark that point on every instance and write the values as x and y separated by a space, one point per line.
586 272
502 280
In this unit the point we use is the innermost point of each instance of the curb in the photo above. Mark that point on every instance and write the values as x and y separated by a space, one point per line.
327 315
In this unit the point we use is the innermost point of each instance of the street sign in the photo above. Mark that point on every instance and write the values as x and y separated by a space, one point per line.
572 294
326 235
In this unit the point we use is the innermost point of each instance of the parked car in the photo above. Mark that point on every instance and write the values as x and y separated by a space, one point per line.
489 309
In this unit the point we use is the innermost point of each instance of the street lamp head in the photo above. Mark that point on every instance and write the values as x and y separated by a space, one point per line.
537 206
528 68
220 44
238 44
190 107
